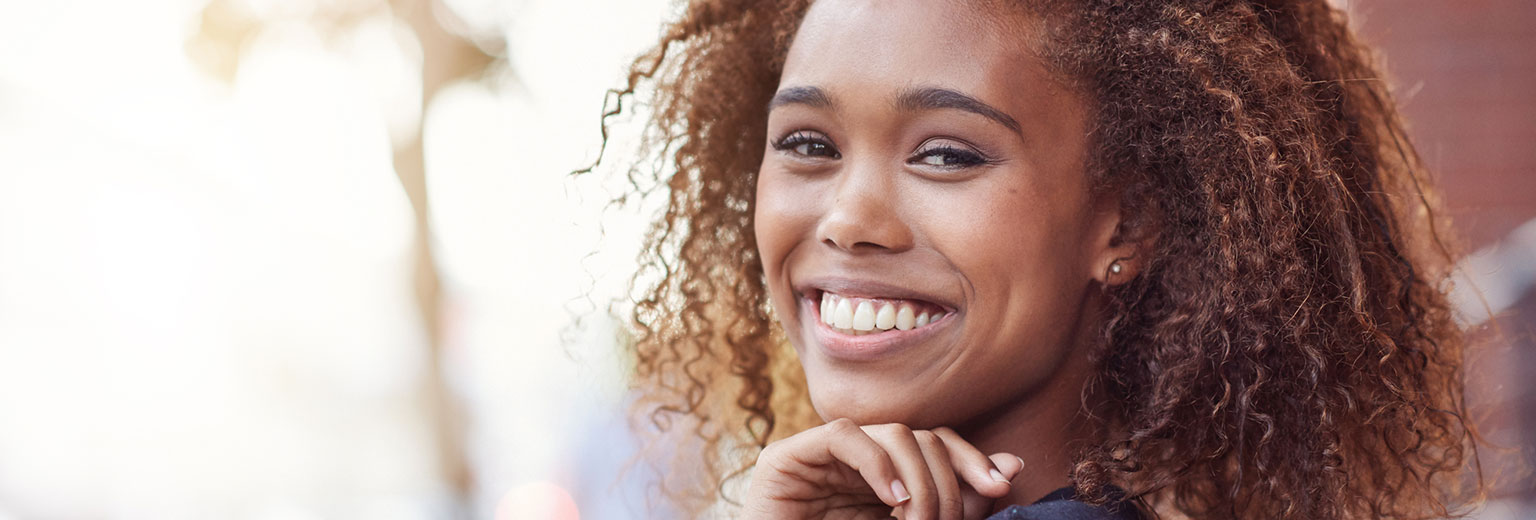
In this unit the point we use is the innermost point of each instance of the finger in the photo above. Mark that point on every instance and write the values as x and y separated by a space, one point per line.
978 506
951 506
1008 464
902 447
981 472
842 442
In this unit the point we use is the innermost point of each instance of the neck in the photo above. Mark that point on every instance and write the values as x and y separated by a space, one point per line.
1043 433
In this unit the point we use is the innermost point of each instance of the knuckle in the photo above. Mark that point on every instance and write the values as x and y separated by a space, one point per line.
842 425
893 429
882 431
771 452
930 440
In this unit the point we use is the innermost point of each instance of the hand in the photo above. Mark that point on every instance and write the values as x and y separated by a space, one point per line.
842 471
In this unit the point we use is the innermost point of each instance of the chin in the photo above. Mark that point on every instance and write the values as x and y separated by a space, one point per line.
863 410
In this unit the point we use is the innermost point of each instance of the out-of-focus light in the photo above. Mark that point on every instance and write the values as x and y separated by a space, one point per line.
537 501
1494 278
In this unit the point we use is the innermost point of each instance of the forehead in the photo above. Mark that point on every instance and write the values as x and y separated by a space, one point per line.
960 40
868 48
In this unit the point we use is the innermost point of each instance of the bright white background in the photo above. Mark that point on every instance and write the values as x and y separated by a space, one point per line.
206 307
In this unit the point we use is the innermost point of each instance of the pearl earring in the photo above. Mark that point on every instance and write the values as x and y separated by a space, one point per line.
1115 268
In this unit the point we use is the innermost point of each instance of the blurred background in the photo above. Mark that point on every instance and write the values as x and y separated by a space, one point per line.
313 259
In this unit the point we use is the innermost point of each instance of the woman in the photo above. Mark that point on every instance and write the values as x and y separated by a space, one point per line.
1044 259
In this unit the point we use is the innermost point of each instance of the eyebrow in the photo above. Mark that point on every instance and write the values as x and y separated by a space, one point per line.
930 98
800 96
916 99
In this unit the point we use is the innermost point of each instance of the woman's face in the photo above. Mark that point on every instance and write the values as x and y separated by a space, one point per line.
927 231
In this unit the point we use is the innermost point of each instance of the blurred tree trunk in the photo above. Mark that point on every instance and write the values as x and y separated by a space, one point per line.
446 57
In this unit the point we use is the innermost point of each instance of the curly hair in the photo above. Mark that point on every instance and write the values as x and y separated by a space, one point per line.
1287 352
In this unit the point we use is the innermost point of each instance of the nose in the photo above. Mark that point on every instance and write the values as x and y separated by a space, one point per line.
865 214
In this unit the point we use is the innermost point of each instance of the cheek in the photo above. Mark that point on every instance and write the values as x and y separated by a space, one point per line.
1019 247
1002 225
782 218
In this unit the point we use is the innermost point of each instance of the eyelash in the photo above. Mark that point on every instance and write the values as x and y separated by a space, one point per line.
967 158
819 145
798 138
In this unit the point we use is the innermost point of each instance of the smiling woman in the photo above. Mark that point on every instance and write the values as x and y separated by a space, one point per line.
1045 259
897 179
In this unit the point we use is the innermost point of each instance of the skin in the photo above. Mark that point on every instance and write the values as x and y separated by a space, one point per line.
983 208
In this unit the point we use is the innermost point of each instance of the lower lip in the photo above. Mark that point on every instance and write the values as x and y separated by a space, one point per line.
866 347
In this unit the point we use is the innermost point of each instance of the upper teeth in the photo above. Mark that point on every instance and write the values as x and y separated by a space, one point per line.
858 315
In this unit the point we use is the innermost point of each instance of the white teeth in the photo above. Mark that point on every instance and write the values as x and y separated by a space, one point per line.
886 318
859 316
904 318
864 317
842 314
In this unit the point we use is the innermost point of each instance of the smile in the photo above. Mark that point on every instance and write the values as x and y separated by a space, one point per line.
858 316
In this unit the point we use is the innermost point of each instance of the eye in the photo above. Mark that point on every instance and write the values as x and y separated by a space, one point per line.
808 143
947 156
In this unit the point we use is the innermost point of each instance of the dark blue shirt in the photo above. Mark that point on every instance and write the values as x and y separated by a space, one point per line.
1062 505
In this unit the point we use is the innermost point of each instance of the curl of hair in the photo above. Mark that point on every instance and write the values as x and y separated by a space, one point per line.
1288 351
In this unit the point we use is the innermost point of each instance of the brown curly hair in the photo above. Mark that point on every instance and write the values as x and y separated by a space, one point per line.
1288 351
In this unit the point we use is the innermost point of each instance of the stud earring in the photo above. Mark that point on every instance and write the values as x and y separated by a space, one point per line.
1115 268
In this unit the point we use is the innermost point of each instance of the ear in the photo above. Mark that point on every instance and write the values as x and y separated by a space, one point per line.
1121 244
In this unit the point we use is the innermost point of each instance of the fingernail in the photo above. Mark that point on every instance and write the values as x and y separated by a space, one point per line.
998 476
900 491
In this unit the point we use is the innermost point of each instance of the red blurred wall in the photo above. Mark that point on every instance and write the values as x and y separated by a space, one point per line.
1465 75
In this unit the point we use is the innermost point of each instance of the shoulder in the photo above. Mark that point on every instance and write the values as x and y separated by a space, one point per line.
1060 505
1068 510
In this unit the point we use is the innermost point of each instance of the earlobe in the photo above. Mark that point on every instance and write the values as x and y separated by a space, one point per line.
1120 270
1123 248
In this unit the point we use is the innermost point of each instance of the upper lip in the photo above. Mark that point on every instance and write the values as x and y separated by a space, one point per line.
866 288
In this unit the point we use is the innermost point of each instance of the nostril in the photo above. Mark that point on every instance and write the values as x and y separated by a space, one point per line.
869 246
855 246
